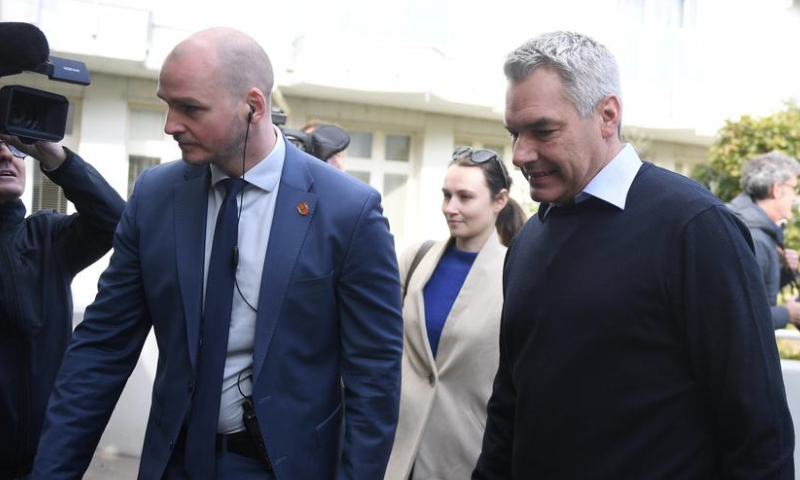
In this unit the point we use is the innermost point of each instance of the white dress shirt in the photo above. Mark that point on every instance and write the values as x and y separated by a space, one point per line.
611 184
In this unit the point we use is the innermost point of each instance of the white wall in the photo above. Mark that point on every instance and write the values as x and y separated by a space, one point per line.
432 146
791 379
102 143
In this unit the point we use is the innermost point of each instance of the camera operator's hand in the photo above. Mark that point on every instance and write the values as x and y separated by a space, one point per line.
50 155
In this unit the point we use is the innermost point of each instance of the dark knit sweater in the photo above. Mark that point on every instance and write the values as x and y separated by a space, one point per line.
637 344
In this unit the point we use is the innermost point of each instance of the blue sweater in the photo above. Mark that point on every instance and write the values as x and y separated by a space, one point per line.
442 290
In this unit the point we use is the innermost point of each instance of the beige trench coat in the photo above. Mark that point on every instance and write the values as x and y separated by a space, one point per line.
443 401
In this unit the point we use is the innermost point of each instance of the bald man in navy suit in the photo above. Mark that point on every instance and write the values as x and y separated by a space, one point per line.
315 336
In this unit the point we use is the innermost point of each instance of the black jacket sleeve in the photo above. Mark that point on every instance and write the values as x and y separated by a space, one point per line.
84 237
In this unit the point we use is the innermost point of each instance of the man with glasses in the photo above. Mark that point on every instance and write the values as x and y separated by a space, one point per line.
39 257
635 341
769 192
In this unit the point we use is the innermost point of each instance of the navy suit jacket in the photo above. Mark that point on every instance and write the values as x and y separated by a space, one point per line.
326 361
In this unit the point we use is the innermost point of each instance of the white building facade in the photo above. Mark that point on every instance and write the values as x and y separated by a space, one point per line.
409 80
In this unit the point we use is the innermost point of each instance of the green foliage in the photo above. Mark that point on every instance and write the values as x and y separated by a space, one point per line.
742 139
789 349
745 138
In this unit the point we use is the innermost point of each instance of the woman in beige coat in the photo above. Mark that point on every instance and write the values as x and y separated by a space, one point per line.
452 313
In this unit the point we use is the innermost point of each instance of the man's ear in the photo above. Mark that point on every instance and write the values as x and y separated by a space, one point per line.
774 189
610 110
257 105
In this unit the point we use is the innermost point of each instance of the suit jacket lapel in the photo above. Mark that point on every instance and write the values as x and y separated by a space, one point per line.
190 222
419 280
478 283
289 226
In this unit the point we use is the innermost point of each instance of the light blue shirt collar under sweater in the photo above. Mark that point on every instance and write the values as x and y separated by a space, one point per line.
255 224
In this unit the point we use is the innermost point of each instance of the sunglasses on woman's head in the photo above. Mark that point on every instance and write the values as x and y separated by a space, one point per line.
480 156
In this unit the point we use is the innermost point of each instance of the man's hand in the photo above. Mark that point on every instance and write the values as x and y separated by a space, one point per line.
791 259
50 155
793 306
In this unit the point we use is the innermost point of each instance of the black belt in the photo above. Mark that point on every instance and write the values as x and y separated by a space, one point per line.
239 443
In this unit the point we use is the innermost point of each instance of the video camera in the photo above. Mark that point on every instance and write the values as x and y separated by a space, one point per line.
323 143
26 112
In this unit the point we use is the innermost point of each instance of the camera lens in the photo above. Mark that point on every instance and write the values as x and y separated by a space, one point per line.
32 114
23 116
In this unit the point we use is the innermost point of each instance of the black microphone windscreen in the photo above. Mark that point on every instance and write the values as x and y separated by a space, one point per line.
24 46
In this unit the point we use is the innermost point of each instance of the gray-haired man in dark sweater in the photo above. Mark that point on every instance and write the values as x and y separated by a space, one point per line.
636 339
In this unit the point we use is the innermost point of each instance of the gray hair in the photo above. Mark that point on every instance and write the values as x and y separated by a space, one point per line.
587 69
761 172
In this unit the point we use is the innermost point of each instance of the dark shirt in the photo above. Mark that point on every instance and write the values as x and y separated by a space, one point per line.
637 344
39 257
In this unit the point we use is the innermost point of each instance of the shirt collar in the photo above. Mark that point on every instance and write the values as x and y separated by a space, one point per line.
266 173
614 181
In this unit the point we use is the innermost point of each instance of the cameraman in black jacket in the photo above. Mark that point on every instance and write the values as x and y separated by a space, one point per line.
39 257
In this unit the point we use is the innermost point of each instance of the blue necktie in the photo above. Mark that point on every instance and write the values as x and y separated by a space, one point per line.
203 419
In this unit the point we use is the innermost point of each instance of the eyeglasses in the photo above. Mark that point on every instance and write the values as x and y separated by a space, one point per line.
14 151
480 156
795 188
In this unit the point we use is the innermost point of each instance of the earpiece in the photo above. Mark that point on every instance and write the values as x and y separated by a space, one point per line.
235 251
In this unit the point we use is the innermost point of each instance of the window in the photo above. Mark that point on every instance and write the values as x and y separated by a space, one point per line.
363 176
146 124
46 194
395 190
360 144
397 147
147 142
137 165
383 160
